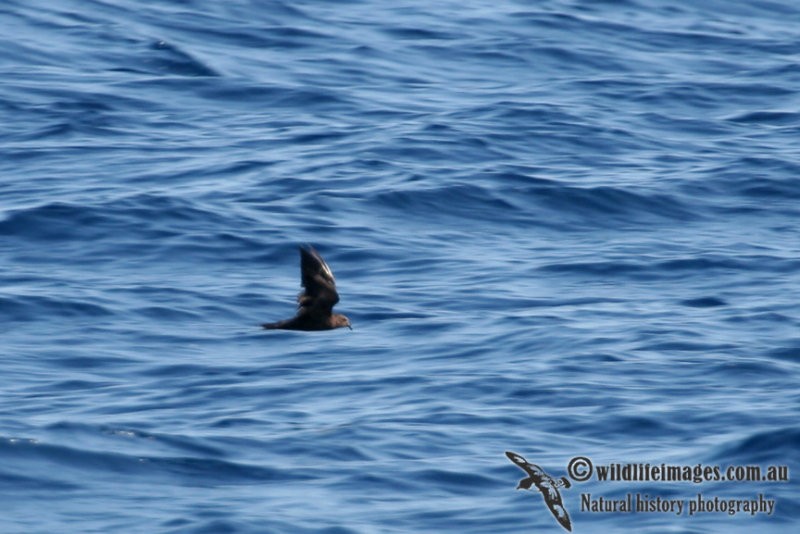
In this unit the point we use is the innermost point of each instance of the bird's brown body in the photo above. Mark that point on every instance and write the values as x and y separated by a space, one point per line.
315 304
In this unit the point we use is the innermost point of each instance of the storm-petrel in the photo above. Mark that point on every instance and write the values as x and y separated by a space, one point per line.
546 485
315 304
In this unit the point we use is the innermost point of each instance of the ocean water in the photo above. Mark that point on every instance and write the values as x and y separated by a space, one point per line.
559 228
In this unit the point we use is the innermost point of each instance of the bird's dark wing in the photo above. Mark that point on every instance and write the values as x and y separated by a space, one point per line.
552 497
319 295
532 469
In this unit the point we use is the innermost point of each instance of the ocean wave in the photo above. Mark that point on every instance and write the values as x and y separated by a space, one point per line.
559 229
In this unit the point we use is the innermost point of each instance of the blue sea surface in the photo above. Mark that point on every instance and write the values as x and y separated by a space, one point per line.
559 228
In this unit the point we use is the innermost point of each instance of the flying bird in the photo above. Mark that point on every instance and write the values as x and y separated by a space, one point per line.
315 304
546 485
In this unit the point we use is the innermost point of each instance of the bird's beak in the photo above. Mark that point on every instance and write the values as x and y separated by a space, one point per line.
350 327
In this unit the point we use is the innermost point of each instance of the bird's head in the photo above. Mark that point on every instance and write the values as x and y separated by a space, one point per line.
340 320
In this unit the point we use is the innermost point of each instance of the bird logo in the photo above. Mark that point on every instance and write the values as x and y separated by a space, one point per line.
547 485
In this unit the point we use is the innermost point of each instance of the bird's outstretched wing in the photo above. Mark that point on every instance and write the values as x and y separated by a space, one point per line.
319 295
552 498
532 469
